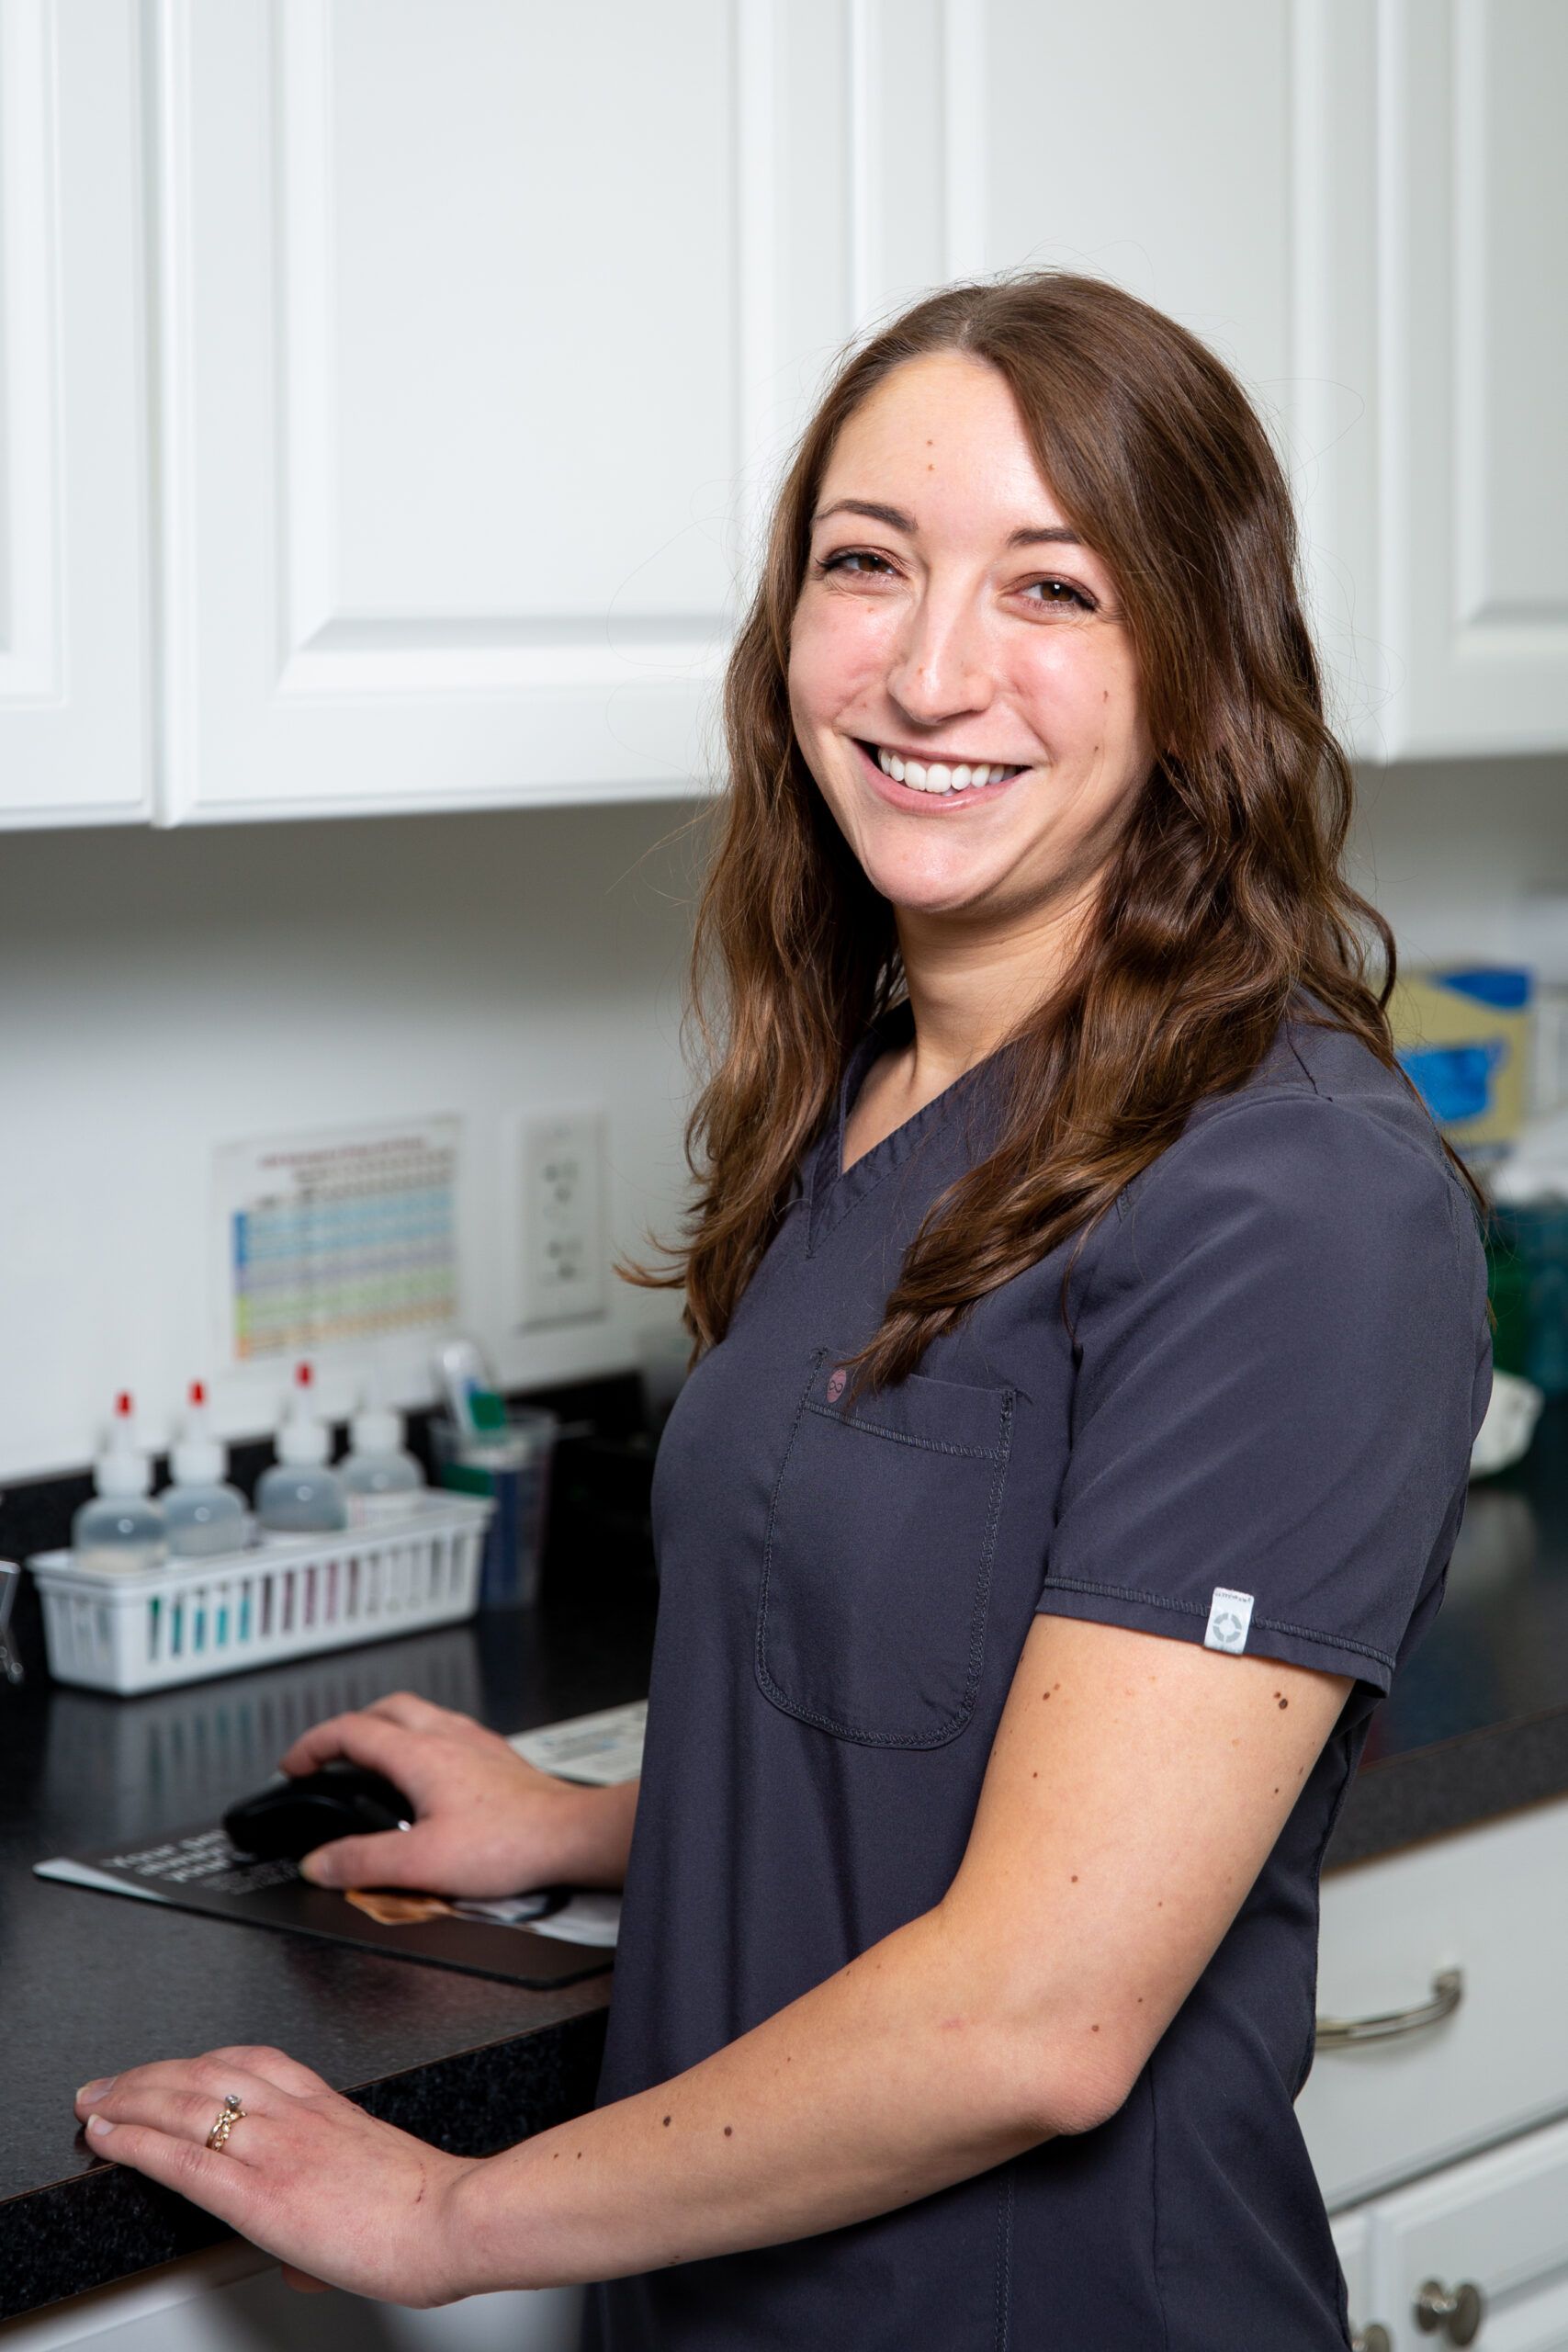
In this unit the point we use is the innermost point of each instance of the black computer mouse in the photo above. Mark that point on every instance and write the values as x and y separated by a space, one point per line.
292 1816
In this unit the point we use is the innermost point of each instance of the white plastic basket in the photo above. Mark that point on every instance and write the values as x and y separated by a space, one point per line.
283 1598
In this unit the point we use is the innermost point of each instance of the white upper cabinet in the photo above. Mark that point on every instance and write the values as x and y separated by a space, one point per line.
1364 208
483 327
1434 178
450 365
478 330
74 711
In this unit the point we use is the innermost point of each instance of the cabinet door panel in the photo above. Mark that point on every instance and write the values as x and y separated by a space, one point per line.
1499 2223
1353 2244
486 328
74 658
1219 164
1443 302
451 343
1148 144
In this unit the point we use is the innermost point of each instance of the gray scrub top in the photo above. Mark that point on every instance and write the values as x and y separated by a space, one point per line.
1282 1359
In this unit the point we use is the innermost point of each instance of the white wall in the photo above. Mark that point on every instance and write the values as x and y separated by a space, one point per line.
165 992
1454 851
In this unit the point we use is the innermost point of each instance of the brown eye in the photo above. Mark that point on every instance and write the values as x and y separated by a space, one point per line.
846 556
1060 596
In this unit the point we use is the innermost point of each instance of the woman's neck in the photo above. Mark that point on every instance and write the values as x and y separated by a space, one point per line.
967 993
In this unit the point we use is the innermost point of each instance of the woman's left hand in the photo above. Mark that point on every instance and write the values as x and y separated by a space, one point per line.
341 2200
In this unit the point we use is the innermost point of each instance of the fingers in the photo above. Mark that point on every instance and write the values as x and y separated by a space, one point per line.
391 1858
180 2098
301 2280
423 1715
363 1737
210 2177
269 2065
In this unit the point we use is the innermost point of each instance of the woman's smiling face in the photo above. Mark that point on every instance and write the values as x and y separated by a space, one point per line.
950 618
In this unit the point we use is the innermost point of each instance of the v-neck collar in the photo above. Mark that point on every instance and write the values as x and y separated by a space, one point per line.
833 1190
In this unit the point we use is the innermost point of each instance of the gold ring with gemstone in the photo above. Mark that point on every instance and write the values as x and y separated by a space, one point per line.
228 2115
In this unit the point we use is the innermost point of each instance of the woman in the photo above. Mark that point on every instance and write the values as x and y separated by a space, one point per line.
1091 1332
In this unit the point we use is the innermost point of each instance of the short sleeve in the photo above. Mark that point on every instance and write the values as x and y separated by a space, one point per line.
1283 1359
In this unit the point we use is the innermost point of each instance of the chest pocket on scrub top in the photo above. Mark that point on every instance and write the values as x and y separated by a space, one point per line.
876 1568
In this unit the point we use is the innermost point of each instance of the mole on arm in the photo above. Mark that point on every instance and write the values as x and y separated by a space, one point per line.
729 2131
667 2118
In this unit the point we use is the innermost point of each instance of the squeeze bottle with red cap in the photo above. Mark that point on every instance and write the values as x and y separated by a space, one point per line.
299 1495
380 1478
203 1514
119 1529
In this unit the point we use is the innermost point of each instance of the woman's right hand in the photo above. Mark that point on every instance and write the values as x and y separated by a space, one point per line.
487 1824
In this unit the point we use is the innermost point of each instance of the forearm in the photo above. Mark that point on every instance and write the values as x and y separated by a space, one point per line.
885 2084
595 1835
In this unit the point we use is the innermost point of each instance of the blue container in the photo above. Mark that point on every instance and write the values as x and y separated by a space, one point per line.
510 1464
1537 1232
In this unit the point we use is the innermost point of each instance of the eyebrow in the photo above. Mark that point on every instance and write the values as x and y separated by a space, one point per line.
1049 534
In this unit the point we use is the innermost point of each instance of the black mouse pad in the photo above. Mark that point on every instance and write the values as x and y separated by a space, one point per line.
198 1869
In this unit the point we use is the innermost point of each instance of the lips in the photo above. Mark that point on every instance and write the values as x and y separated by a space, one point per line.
940 775
944 796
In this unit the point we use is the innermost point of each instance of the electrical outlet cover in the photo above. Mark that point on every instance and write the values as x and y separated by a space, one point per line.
560 1195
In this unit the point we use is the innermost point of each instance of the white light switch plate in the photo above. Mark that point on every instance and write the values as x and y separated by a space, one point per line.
558 1167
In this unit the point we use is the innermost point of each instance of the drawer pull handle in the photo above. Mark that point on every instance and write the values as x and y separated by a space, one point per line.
1459 2312
1375 2338
1448 1991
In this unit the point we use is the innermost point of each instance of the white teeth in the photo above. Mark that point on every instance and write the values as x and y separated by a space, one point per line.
939 777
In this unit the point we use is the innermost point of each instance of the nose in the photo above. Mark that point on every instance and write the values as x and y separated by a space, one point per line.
940 671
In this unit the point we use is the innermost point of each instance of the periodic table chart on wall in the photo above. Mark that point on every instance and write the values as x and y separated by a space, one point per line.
336 1237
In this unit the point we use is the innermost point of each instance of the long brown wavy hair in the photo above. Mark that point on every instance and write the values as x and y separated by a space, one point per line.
1224 897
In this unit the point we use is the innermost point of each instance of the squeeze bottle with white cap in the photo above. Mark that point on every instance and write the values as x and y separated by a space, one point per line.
299 1495
380 1478
203 1514
119 1529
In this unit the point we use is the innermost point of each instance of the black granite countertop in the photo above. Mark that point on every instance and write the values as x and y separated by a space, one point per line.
93 1983
1476 1726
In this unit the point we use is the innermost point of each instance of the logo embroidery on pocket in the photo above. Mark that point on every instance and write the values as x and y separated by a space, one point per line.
837 1383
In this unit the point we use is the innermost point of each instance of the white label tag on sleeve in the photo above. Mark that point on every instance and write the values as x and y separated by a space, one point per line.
1230 1614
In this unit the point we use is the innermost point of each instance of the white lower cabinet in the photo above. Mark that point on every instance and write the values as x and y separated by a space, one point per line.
232 2297
1440 2140
1352 2238
1489 1904
1477 2254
